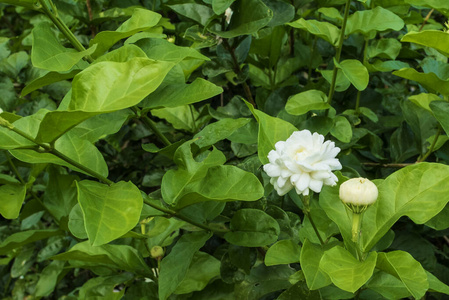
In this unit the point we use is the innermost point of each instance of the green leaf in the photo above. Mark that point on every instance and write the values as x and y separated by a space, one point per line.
356 73
252 228
49 278
440 110
48 53
430 81
430 38
440 5
207 180
141 19
30 4
385 48
218 131
203 268
271 131
174 95
436 285
122 85
424 99
174 267
404 267
342 83
56 123
377 19
22 238
109 211
324 30
12 196
76 223
345 271
71 146
283 252
388 286
120 257
160 49
304 102
310 258
103 287
249 16
48 78
183 117
299 291
197 12
220 6
342 129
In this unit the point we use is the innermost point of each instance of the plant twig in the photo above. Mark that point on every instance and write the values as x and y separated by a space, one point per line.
338 54
394 165
238 71
426 19
91 16
151 125
432 146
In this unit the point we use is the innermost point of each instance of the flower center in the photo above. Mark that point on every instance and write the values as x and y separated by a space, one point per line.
301 153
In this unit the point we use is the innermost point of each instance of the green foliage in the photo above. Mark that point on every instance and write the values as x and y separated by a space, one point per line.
135 135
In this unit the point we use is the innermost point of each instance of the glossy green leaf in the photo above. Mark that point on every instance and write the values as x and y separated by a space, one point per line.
436 285
324 30
345 271
377 19
121 257
218 131
388 286
109 211
180 94
197 12
424 100
252 228
76 223
283 252
271 131
22 238
48 53
174 267
12 196
440 110
203 268
122 85
356 73
342 83
184 117
430 38
249 16
310 258
342 129
430 81
304 102
140 20
404 267
207 180
56 123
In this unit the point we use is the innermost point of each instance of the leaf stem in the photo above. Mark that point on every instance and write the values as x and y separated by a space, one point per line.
150 124
432 146
50 149
339 49
181 217
238 70
50 10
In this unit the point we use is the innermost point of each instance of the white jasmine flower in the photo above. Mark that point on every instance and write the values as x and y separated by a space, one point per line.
304 162
228 14
358 192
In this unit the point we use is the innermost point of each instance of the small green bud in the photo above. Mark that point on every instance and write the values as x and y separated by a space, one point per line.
157 252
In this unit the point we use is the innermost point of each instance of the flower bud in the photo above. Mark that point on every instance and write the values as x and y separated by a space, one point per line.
358 193
157 252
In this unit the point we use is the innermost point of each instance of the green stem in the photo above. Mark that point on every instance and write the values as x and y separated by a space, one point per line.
339 49
50 10
179 216
356 233
432 146
49 149
150 124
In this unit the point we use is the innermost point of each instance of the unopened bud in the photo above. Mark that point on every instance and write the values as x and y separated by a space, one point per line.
358 193
157 251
